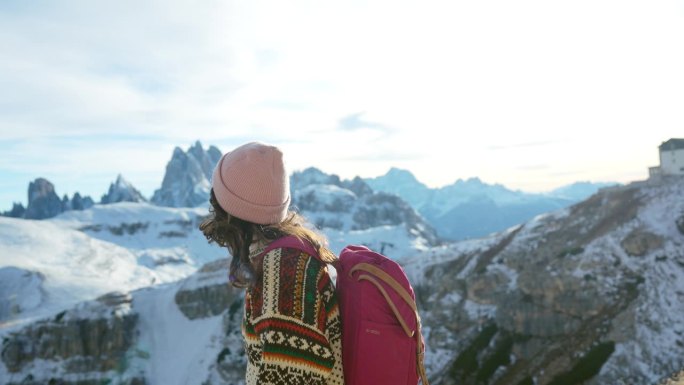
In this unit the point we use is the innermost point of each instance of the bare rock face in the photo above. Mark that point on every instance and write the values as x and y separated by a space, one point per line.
81 203
680 224
207 293
675 379
115 298
94 338
17 211
122 191
352 205
187 179
561 300
639 243
43 202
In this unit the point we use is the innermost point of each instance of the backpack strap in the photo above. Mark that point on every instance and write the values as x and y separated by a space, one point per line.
292 242
409 333
373 272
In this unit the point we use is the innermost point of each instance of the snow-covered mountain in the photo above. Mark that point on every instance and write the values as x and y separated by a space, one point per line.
131 274
187 180
60 269
185 333
349 209
470 208
49 265
591 294
54 263
122 191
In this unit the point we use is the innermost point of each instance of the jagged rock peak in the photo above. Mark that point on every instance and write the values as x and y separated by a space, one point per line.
312 175
80 203
358 186
187 178
121 191
395 180
44 202
17 211
39 188
400 173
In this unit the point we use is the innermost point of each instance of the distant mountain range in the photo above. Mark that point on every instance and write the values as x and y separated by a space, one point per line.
186 183
465 209
471 208
131 293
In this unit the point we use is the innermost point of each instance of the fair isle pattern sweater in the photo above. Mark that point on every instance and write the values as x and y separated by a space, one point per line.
291 323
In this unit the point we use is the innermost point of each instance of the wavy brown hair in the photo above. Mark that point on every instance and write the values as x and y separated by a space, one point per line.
237 235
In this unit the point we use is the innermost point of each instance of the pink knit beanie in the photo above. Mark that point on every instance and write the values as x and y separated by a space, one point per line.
250 183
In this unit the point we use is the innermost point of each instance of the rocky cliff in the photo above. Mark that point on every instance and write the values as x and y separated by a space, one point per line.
122 191
587 295
187 178
43 202
189 329
351 205
85 345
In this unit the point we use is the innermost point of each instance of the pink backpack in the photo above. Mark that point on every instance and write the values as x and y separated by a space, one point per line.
381 338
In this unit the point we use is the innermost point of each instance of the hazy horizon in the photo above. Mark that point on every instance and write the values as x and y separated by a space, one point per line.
96 195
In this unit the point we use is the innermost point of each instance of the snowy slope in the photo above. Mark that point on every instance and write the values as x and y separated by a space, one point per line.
59 267
164 345
180 350
163 238
20 291
80 255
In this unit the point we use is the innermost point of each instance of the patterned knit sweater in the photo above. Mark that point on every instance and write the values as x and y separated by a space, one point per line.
291 323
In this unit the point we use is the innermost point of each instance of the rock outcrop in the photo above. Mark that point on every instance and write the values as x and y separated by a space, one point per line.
187 178
89 341
17 211
345 205
562 299
43 202
122 191
109 340
638 243
80 203
207 293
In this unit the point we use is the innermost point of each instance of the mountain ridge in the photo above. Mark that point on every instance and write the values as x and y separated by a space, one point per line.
471 208
569 297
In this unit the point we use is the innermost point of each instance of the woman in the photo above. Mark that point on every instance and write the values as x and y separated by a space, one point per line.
291 323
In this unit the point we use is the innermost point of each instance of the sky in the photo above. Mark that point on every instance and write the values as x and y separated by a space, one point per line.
530 94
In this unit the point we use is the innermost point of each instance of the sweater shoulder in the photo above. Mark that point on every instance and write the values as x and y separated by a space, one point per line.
282 257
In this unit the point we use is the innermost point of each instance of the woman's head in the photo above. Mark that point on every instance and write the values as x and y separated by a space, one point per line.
251 183
249 201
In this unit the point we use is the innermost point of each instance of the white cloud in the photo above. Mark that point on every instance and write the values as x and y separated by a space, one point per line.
599 82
